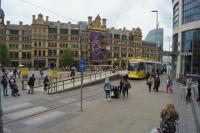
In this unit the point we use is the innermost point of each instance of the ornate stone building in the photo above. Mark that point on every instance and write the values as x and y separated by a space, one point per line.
41 43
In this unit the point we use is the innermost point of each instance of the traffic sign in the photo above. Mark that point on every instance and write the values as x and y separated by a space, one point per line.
82 65
54 73
24 71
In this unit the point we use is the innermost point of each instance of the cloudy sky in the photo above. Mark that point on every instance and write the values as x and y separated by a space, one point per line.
119 13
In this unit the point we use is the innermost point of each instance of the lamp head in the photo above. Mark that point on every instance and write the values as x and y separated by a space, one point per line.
154 11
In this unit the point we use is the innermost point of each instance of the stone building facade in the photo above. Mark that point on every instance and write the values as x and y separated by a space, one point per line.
41 43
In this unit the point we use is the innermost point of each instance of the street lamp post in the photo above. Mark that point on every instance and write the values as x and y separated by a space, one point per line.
169 42
156 11
1 112
81 54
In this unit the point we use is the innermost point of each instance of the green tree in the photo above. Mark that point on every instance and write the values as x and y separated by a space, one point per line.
67 57
4 55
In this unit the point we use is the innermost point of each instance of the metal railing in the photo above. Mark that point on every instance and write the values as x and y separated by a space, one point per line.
58 86
70 82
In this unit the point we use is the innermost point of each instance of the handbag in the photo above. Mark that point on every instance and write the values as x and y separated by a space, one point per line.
170 88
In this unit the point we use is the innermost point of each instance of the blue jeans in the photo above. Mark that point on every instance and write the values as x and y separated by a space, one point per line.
107 92
5 91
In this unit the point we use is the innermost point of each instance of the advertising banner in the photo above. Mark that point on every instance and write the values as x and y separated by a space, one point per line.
95 39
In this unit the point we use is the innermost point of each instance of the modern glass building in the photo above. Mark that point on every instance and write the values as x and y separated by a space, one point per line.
186 36
156 37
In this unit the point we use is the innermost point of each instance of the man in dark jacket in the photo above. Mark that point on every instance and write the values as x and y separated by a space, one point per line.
31 84
4 83
156 83
46 82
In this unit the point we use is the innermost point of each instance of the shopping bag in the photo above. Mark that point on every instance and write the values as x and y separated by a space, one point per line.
28 88
170 89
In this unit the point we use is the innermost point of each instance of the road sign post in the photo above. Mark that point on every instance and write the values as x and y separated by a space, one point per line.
82 68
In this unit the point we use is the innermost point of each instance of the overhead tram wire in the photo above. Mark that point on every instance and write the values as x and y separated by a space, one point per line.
47 10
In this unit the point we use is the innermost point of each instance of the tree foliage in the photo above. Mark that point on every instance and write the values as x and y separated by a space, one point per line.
4 55
67 57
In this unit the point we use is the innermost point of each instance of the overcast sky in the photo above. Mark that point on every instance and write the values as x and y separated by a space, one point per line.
119 13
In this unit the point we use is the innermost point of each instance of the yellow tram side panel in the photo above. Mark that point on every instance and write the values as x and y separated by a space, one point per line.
136 74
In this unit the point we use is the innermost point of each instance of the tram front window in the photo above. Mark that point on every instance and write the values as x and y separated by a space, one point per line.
133 67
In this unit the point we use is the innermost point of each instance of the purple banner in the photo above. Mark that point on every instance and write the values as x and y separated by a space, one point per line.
95 39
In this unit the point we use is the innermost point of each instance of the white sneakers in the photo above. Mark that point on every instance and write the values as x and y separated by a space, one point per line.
108 99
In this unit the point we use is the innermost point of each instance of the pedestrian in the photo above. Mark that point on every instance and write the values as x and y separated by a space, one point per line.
31 84
156 83
188 87
150 82
169 85
198 100
169 116
18 73
12 81
41 73
147 76
121 85
4 83
126 86
46 83
72 73
107 89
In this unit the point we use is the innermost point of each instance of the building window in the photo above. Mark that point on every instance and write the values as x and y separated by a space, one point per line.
35 53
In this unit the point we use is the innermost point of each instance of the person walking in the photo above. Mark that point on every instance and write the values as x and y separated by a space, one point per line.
150 82
126 86
107 89
46 83
4 83
72 73
147 76
188 87
169 116
198 100
156 83
169 85
31 84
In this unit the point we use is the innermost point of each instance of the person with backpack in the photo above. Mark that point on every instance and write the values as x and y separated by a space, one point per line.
169 116
4 83
107 89
31 84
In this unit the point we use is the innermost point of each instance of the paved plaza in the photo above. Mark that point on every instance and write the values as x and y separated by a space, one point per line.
60 113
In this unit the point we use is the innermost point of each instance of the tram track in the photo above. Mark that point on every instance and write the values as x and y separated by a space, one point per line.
54 108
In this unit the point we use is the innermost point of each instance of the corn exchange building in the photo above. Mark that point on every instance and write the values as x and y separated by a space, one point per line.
42 43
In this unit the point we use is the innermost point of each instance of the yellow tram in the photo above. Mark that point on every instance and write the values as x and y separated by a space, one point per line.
138 67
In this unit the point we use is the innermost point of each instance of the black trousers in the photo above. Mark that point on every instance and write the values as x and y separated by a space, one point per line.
149 87
125 92
188 96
